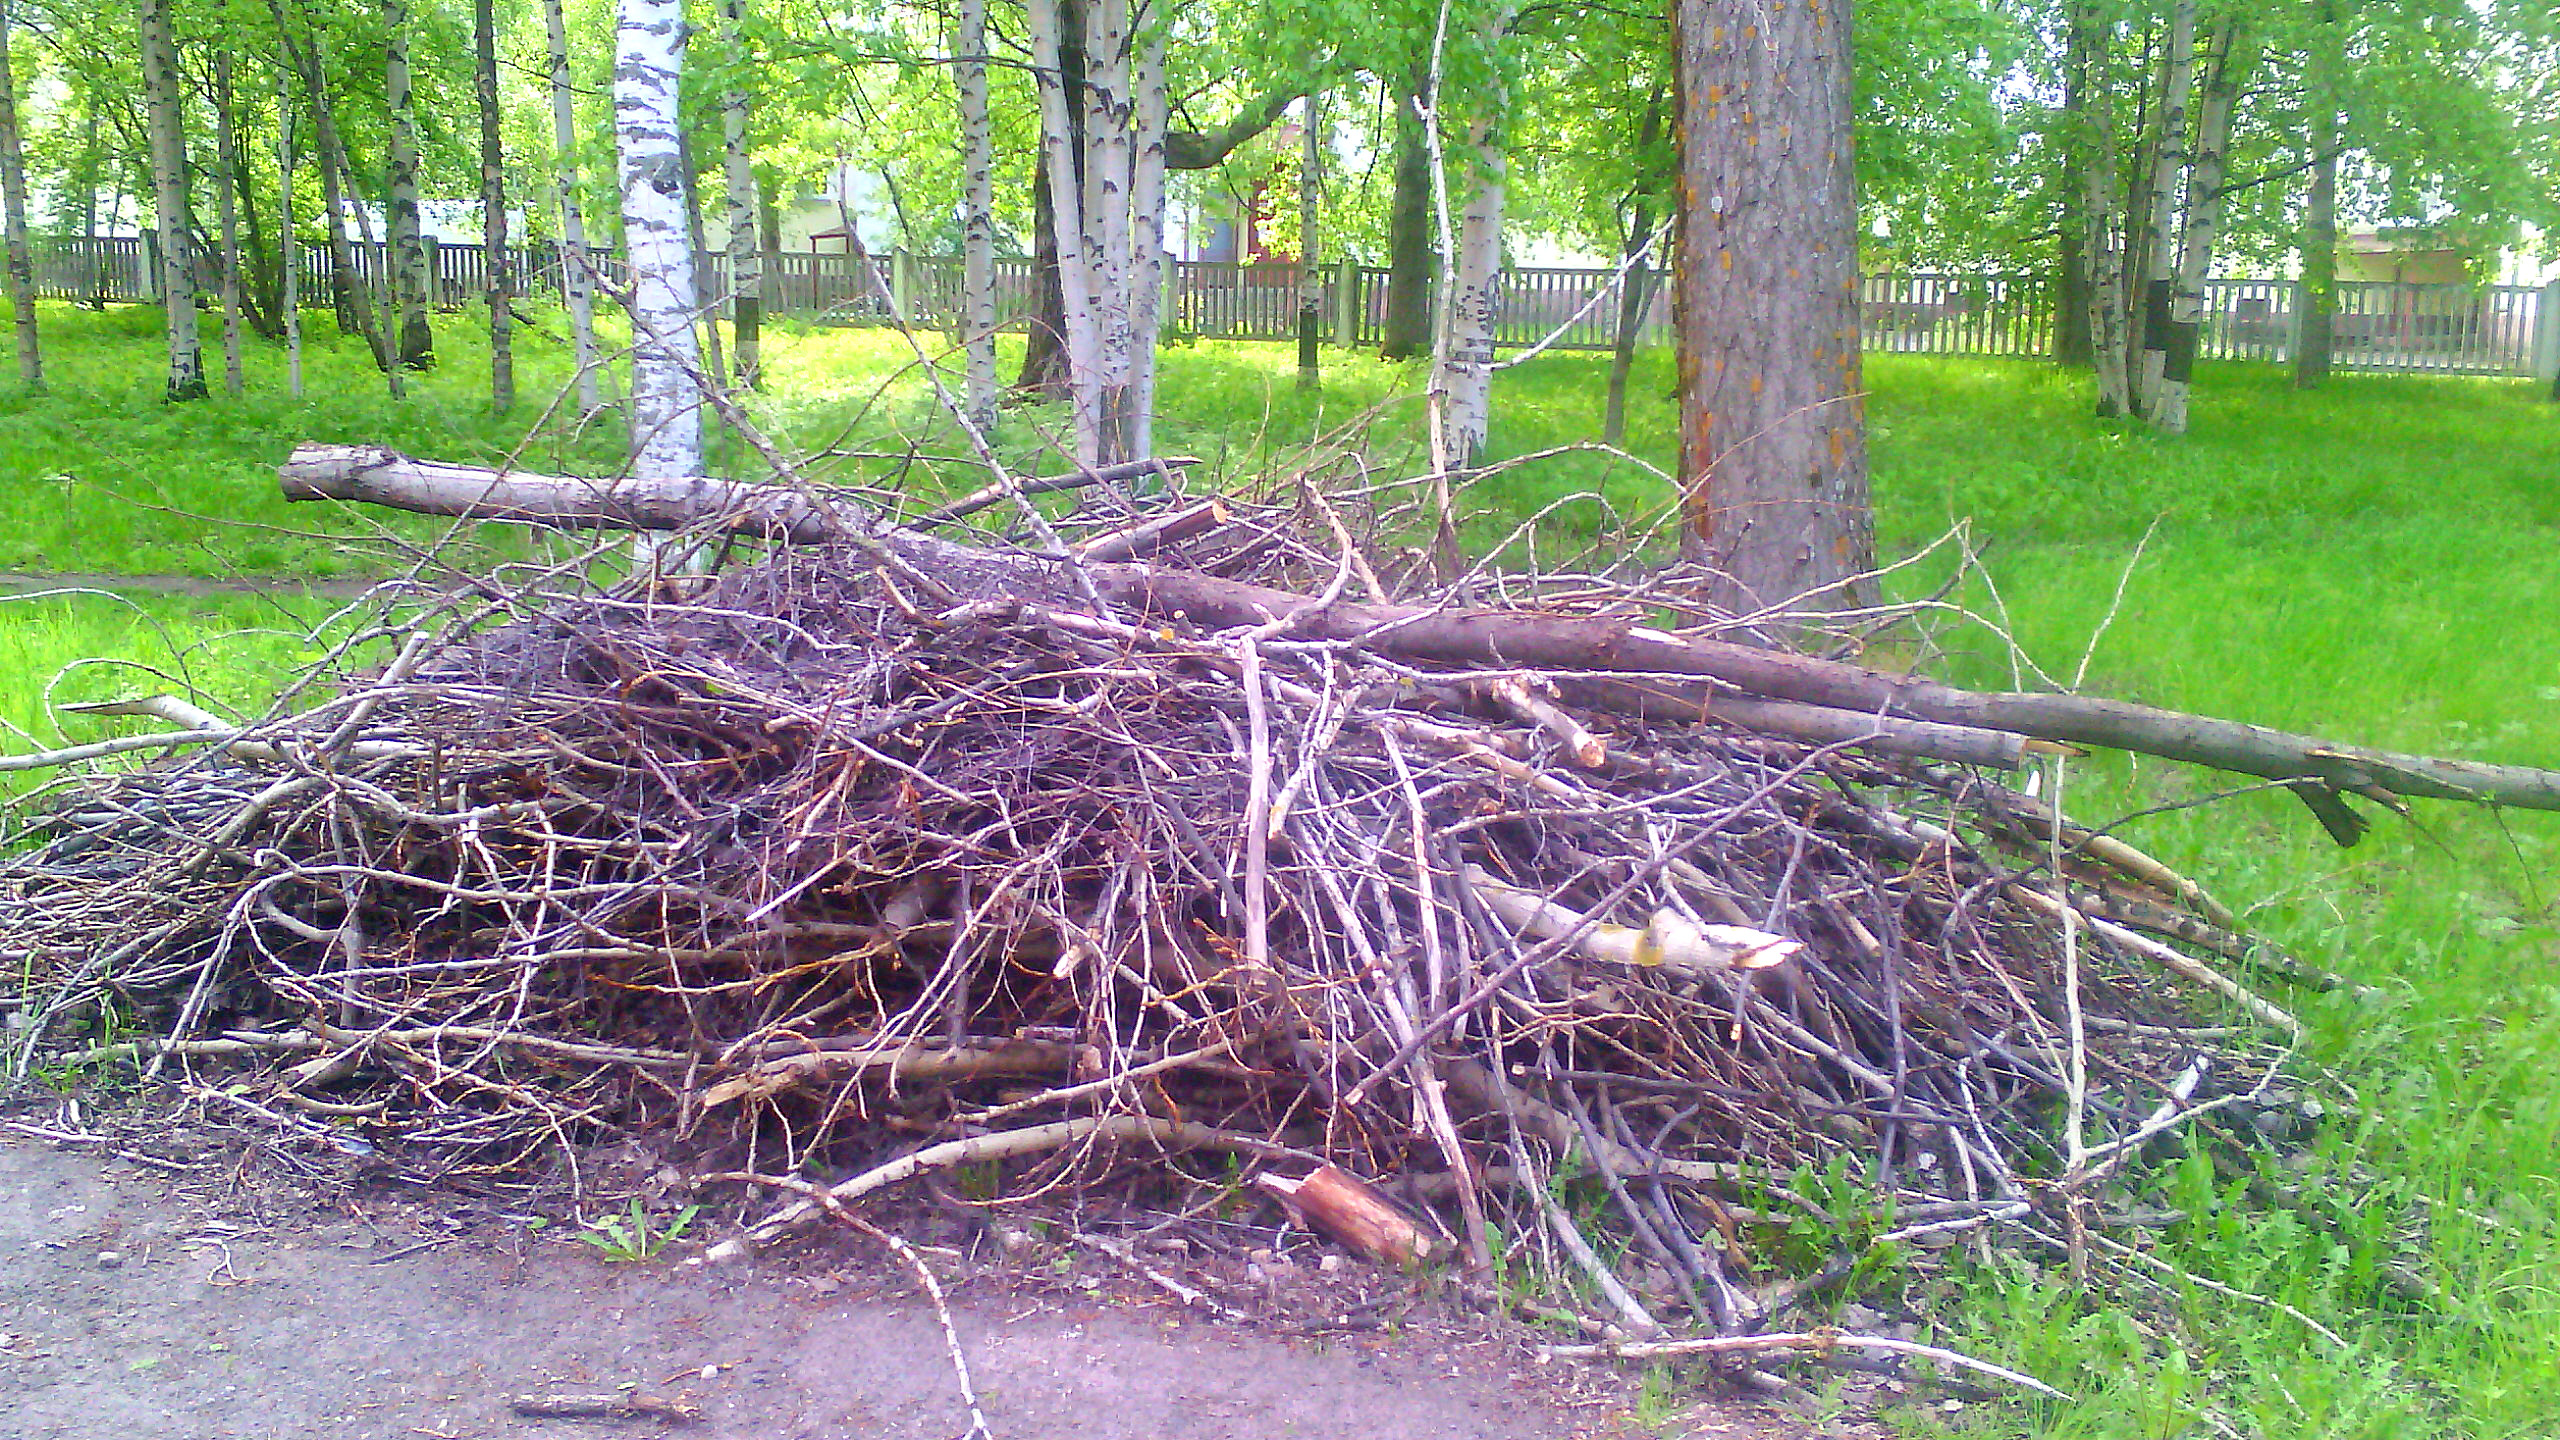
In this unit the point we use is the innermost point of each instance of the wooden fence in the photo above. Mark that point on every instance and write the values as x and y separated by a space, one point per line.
2380 326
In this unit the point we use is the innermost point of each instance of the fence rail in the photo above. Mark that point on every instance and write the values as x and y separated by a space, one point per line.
2379 326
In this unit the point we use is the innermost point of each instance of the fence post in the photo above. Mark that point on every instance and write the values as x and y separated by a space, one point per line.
1344 311
2546 334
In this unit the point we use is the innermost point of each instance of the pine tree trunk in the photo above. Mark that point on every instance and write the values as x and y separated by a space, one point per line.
746 259
1407 331
493 207
169 200
226 166
1635 288
577 272
289 283
1773 461
977 214
1310 260
408 258
13 221
666 361
2229 57
2169 164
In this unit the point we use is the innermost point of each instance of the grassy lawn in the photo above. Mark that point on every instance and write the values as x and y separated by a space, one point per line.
2378 561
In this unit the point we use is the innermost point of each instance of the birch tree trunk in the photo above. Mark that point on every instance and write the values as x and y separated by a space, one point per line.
13 222
226 168
577 273
289 243
2101 214
1311 149
666 409
1465 379
746 259
2229 56
493 207
1409 251
977 214
2169 163
353 310
169 199
408 257
1773 452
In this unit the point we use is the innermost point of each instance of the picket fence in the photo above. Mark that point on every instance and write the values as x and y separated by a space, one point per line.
2379 326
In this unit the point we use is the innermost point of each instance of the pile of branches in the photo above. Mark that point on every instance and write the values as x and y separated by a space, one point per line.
887 854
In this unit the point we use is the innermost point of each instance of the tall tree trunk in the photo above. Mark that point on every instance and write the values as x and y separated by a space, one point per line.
577 272
666 358
2101 215
2229 56
746 259
1773 450
86 184
1635 288
226 168
1465 380
977 214
408 258
2315 320
260 281
1046 364
169 200
2169 164
2071 243
1311 148
347 298
13 221
493 207
715 366
289 242
1407 330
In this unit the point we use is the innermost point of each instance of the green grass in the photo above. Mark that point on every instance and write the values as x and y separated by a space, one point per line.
2374 561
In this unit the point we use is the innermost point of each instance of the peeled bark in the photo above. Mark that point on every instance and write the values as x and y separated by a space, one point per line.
1310 260
977 215
577 273
1407 330
493 207
746 258
1773 453
2169 161
2228 62
408 248
666 359
169 200
226 207
13 222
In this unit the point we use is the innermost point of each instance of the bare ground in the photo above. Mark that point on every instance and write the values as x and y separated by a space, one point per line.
189 1302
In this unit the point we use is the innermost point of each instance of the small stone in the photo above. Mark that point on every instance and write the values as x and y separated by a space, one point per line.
110 1259
1329 1264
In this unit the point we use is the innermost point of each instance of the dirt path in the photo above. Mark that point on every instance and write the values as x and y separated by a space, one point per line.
129 1307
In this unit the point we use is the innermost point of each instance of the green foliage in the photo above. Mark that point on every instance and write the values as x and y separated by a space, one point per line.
635 1236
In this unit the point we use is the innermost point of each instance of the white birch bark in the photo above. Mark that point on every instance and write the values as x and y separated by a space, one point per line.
493 206
1075 276
2159 232
2103 219
1310 259
13 220
226 163
666 402
2230 58
577 274
408 250
287 244
1147 259
1466 366
977 214
169 199
746 257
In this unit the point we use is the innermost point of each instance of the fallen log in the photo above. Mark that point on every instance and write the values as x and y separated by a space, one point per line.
2320 770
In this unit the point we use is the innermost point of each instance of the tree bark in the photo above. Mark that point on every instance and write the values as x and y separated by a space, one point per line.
746 258
13 222
577 271
1465 379
1503 639
666 359
354 311
2229 56
1773 462
1310 257
977 215
493 207
2101 214
2071 344
226 168
707 287
1046 365
408 249
1635 288
2316 314
288 243
2169 163
169 200
1407 330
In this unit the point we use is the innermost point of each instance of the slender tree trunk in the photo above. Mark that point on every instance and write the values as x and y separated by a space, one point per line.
289 241
2071 345
715 365
577 272
1407 331
91 157
1465 379
493 207
2169 164
13 221
226 167
1047 362
2101 218
1311 149
260 298
408 258
666 360
2315 323
746 259
1773 460
2229 56
347 298
1635 290
1152 112
977 214
169 200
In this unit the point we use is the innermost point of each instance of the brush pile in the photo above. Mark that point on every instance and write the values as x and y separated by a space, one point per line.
822 859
